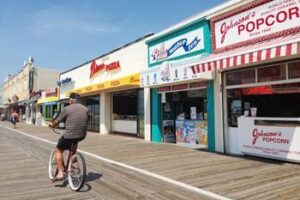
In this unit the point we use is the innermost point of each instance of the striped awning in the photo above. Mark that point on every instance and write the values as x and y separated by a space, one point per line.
285 46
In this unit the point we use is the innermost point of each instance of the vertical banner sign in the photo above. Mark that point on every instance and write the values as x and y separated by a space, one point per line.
30 82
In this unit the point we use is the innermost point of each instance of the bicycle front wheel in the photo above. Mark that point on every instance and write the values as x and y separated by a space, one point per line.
52 166
76 172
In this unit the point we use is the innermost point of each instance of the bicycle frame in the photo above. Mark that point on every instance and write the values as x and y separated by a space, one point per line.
70 170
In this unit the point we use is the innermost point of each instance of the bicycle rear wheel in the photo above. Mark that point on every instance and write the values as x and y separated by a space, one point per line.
52 166
76 172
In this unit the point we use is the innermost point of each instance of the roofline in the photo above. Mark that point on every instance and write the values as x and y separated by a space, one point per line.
199 16
110 52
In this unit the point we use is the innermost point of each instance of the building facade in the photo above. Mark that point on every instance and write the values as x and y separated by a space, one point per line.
182 108
256 61
20 91
110 87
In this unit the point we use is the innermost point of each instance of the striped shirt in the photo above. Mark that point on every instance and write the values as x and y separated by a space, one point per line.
76 116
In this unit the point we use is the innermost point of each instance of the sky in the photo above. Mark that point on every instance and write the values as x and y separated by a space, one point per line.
62 34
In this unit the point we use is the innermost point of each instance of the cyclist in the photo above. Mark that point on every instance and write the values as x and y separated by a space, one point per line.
76 116
14 117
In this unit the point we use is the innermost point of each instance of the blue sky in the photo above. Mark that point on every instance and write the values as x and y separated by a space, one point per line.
62 34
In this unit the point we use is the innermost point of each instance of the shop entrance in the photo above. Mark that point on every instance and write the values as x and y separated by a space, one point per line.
269 95
128 112
93 105
184 117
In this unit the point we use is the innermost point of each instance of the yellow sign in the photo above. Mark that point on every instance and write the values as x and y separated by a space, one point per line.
133 80
47 100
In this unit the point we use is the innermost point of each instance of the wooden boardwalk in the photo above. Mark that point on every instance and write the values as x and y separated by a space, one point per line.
232 177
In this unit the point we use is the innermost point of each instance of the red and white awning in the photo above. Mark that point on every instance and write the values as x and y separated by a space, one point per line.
284 46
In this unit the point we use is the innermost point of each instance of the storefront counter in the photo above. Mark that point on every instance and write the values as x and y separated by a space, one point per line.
124 126
192 132
276 138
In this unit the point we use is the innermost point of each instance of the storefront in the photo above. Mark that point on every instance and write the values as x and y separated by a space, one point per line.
257 60
46 107
110 87
128 112
31 106
182 100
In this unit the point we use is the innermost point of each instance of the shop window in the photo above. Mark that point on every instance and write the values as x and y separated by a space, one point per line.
93 105
272 73
294 70
281 100
240 77
125 105
186 101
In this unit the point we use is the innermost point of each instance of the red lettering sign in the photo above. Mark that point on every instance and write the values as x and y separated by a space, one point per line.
269 137
255 22
113 66
95 68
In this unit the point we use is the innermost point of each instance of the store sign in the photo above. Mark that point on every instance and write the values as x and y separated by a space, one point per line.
133 80
269 141
261 22
95 68
64 82
169 73
30 82
178 46
50 92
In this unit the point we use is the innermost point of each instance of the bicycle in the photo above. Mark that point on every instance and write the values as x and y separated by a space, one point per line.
74 167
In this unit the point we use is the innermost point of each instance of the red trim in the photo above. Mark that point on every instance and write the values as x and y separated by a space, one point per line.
215 64
235 61
268 54
203 67
289 50
198 84
277 54
193 69
259 55
227 62
209 66
180 87
257 40
198 68
221 64
239 10
164 89
251 57
243 59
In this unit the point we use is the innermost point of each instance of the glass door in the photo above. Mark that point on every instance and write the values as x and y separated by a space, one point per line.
140 114
93 104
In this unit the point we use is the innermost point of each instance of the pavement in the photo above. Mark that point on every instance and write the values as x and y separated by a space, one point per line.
215 175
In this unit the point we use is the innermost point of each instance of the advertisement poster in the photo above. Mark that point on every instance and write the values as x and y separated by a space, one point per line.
193 113
168 131
191 132
269 141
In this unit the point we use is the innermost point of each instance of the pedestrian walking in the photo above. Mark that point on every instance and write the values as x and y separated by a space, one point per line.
14 117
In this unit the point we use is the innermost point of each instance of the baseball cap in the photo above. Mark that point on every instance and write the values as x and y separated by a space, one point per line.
74 96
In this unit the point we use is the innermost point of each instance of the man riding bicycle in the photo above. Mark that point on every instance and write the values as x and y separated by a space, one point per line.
76 116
